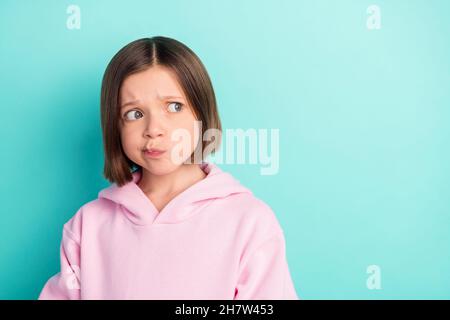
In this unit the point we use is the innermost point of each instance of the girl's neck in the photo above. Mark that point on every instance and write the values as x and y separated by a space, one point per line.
173 183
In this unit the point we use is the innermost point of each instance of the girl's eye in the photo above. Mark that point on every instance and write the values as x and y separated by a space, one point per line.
175 107
131 112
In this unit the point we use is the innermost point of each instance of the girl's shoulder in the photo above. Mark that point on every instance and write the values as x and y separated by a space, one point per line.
94 211
251 210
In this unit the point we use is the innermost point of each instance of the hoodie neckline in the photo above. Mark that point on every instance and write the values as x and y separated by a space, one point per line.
141 211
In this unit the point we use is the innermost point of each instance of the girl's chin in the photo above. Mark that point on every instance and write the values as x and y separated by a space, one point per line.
159 168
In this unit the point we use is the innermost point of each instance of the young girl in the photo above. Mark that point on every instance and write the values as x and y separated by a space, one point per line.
168 227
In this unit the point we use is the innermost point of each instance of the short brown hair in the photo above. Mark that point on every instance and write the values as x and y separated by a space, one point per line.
140 55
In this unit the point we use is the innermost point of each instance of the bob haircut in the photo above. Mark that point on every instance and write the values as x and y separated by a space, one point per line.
140 55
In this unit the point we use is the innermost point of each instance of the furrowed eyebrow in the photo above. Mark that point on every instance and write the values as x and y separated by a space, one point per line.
170 97
128 103
160 98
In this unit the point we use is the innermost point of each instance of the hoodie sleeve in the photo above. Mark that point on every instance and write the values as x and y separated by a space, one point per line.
265 273
65 285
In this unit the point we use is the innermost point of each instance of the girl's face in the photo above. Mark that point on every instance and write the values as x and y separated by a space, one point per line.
153 106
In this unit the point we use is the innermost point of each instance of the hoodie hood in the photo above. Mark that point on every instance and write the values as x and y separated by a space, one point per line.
141 211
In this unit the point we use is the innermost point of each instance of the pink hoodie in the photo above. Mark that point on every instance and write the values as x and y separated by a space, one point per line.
215 240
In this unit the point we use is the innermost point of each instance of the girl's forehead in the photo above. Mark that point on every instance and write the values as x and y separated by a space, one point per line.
156 82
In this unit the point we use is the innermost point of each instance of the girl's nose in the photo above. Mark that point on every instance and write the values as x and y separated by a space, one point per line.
154 127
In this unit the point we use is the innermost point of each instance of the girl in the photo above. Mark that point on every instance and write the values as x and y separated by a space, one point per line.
168 227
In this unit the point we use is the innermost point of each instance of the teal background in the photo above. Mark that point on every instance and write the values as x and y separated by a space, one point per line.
363 118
